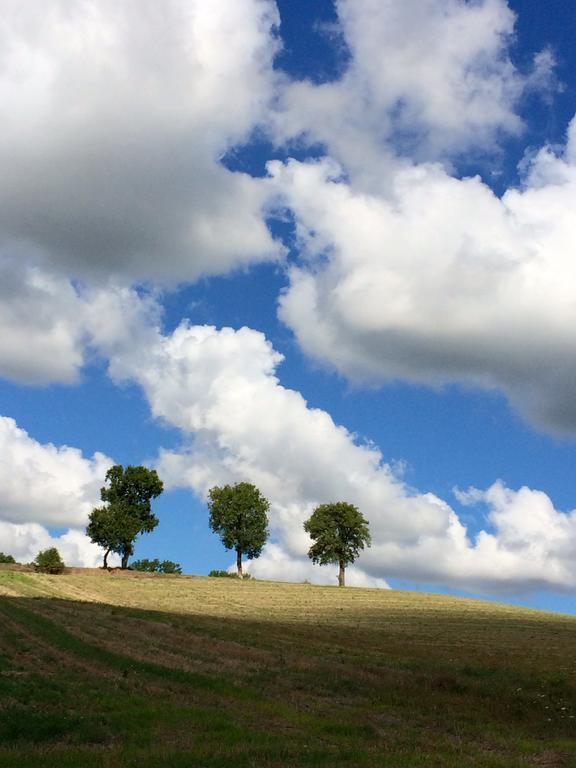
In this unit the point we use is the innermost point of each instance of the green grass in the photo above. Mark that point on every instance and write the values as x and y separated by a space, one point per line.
110 670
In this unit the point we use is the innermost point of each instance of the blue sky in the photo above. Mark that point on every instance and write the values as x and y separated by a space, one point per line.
408 253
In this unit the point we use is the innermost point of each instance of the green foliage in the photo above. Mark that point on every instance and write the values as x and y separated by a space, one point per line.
168 566
222 575
127 513
156 566
49 561
146 566
339 532
228 575
238 516
7 559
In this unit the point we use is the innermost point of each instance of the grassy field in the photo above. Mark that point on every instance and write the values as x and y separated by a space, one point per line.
105 670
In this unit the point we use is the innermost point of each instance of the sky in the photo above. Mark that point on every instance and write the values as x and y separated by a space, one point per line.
326 248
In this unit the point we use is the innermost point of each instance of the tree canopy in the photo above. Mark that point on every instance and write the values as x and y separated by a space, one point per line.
7 559
238 514
49 561
127 512
339 532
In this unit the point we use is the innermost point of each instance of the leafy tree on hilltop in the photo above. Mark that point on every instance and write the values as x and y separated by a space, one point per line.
127 513
238 516
49 561
339 532
7 559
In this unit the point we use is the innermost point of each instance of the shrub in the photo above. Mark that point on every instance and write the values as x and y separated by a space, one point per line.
226 575
155 566
167 566
145 565
7 559
49 561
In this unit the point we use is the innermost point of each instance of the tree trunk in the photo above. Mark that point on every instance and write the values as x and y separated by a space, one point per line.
341 572
106 558
239 563
125 556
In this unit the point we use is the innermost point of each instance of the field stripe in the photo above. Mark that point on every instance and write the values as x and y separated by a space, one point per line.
50 632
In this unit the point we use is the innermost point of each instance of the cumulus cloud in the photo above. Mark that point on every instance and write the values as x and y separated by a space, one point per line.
528 545
438 280
45 483
220 388
115 117
276 564
50 326
408 271
42 334
24 541
426 79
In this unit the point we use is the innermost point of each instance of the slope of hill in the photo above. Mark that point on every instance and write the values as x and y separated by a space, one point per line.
101 670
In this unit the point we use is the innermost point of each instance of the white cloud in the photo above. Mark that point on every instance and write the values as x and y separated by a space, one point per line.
408 272
44 483
437 280
530 545
26 540
220 388
426 79
277 565
115 116
50 326
42 334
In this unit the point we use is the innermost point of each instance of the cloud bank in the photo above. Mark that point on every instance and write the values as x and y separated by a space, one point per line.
406 270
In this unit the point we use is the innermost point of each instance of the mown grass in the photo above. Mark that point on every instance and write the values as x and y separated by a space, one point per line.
115 670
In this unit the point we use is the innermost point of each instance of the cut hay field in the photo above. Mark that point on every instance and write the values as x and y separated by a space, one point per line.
101 670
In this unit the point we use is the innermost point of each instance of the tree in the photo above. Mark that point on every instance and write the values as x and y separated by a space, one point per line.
7 559
238 516
49 561
155 566
127 513
339 532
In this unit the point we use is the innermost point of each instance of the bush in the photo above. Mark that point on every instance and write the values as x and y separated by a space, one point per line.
49 561
227 575
147 566
167 566
7 559
155 566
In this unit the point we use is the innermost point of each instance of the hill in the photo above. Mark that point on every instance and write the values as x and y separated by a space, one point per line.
102 670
